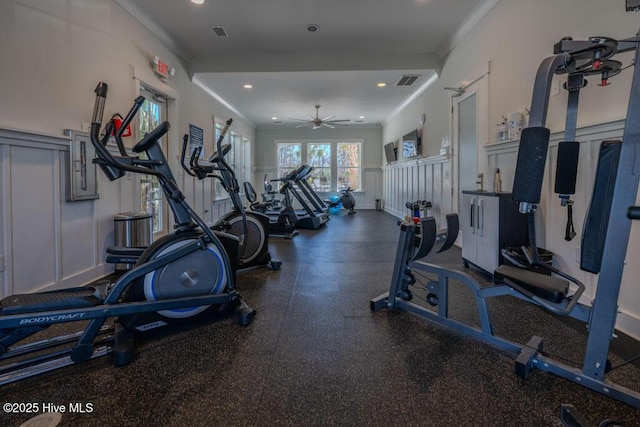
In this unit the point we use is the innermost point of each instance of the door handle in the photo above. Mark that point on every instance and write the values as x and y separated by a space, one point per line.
481 217
473 216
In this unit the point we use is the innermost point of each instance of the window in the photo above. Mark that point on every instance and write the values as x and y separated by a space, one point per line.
336 164
319 157
289 157
349 165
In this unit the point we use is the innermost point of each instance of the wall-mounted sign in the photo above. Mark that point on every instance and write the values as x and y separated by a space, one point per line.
196 139
161 68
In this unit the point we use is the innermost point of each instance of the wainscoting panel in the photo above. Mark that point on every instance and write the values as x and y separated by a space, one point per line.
45 241
424 179
34 216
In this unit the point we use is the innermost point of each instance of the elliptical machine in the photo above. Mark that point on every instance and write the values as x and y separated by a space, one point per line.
181 278
252 228
269 196
282 220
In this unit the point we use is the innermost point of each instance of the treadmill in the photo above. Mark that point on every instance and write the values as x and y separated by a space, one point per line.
312 216
301 180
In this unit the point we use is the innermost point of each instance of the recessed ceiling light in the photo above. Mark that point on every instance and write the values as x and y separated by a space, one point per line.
247 86
312 28
274 118
382 84
197 1
361 117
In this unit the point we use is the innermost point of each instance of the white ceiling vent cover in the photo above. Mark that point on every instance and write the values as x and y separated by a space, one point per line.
220 31
408 80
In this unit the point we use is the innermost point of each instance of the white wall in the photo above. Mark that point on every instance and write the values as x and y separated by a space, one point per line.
265 155
54 53
514 38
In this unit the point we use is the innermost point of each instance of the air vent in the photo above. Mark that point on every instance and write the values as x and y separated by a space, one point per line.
220 31
407 80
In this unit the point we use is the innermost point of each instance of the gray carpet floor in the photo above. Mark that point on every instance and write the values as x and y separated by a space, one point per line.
316 355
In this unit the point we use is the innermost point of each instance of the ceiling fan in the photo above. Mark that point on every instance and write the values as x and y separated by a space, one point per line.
316 122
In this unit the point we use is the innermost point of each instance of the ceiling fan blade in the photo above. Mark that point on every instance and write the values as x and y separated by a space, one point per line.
327 125
311 118
327 118
300 120
301 126
340 120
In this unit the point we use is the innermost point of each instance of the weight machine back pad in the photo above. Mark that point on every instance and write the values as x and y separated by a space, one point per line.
597 218
428 234
532 156
567 167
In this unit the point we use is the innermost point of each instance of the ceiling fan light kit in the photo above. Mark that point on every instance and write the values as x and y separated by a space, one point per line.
317 122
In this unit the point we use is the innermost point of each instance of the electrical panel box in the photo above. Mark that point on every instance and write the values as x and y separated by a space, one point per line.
82 181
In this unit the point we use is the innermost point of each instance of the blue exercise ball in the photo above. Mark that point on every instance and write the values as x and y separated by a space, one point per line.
335 209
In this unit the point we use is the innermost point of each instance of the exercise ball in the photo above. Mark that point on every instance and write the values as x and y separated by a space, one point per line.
335 209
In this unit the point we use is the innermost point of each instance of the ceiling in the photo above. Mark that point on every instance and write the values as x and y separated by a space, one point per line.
359 44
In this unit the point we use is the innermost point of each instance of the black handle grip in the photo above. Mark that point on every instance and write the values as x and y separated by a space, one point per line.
105 160
125 122
633 212
108 129
101 89
193 162
151 138
98 108
183 155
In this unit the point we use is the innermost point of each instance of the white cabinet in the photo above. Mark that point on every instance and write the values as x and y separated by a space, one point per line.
489 222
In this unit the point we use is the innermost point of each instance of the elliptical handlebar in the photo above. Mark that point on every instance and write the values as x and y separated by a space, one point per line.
183 154
105 158
125 122
221 160
151 138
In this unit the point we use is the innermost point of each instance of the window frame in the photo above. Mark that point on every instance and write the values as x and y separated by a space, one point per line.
359 167
334 158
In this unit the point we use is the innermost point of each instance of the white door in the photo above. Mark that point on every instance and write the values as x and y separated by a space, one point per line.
467 143
470 117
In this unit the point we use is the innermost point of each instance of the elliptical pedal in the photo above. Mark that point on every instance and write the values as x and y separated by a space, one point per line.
46 366
53 300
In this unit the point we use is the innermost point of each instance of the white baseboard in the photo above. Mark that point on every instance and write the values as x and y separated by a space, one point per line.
629 324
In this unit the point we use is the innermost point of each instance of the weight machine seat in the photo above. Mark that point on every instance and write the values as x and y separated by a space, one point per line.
550 288
252 197
79 297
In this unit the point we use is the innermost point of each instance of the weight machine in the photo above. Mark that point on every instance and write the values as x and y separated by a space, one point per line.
604 241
